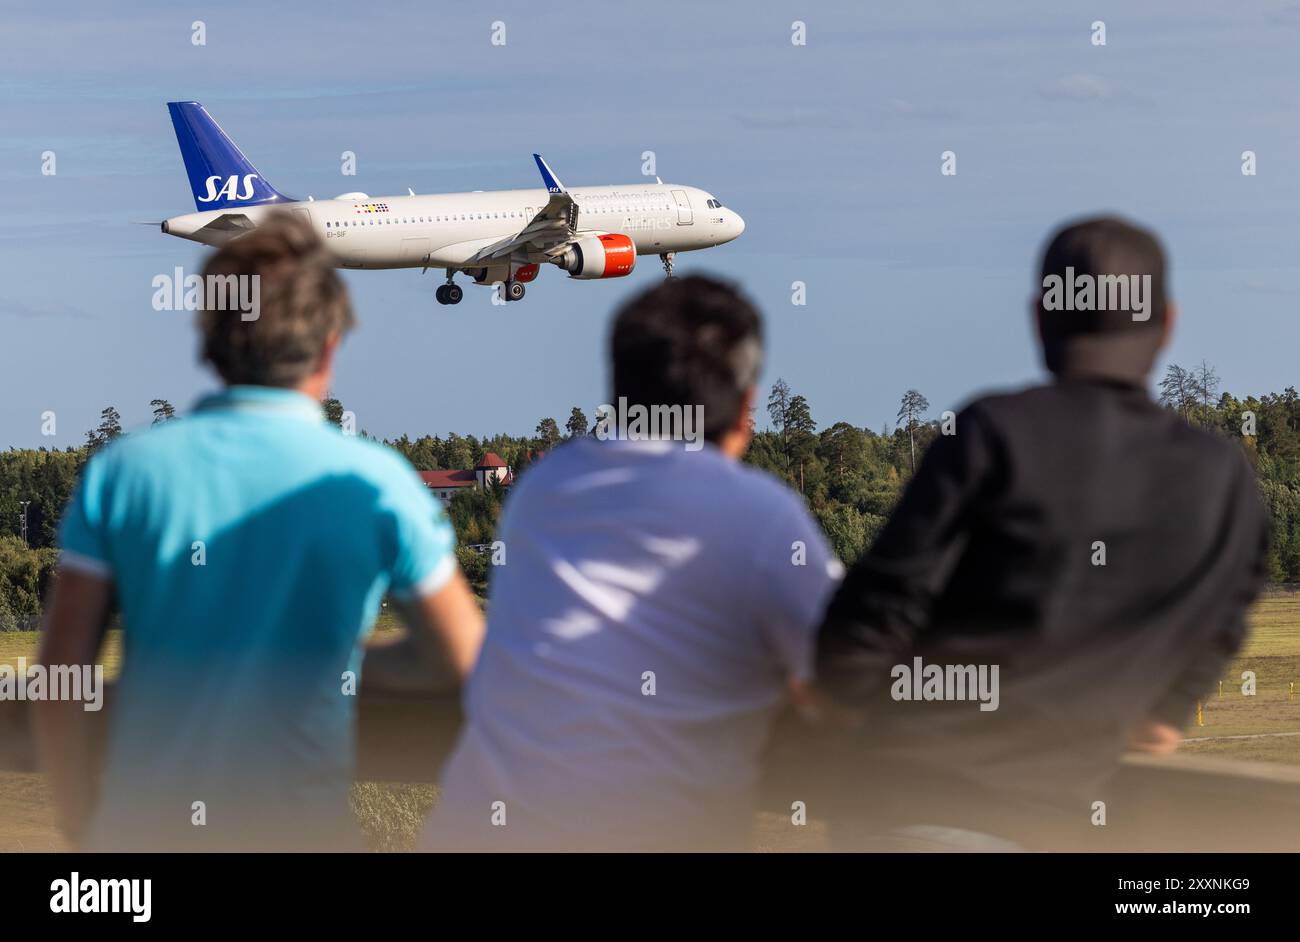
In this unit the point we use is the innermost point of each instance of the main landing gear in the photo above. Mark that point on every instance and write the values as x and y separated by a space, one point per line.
667 259
450 293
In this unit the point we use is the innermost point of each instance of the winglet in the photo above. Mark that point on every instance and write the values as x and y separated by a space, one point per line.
553 185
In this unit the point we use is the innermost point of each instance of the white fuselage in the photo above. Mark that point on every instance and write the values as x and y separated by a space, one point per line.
446 230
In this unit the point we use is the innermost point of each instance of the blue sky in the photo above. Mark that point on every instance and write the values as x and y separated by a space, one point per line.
830 151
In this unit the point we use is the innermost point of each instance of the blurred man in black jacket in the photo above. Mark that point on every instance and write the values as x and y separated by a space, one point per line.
1068 571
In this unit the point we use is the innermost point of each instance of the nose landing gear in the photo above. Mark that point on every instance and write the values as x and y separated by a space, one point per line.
667 259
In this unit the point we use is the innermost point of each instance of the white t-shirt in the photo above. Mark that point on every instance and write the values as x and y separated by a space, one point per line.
652 606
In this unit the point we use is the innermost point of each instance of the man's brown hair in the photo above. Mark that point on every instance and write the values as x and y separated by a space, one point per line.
687 342
302 302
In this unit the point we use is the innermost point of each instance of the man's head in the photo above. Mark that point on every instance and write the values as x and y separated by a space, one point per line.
303 309
691 342
1103 310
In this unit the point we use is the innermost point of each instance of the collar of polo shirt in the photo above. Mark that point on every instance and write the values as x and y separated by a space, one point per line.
263 398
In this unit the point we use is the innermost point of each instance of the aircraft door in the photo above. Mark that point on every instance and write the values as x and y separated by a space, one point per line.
684 216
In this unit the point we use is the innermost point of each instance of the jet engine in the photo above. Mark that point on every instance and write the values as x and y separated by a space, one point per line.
602 256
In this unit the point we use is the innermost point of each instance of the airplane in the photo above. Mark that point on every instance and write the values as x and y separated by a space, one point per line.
499 237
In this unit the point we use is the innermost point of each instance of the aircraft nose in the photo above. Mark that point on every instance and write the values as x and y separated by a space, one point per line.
737 224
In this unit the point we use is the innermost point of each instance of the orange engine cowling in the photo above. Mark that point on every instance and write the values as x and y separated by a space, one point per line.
526 273
602 256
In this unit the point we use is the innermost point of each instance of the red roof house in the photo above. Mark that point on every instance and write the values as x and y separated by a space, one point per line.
445 483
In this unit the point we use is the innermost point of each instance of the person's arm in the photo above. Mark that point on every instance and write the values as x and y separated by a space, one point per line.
445 631
1154 737
444 622
1243 541
792 574
887 596
73 632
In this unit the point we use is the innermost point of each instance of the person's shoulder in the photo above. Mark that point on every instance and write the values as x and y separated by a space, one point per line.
554 467
759 487
1002 404
562 457
370 457
1207 451
1031 405
144 450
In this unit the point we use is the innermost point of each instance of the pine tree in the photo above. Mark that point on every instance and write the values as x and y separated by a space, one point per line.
910 411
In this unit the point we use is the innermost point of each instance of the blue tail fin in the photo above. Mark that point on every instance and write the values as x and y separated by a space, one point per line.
220 175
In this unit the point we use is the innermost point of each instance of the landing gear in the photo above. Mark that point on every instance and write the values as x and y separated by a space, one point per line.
450 293
667 259
514 291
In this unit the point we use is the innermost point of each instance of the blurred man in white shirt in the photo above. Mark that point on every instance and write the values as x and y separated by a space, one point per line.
658 600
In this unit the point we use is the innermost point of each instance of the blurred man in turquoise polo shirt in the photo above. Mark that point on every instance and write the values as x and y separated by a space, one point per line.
249 546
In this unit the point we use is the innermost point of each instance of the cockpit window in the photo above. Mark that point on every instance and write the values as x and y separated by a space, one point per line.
715 204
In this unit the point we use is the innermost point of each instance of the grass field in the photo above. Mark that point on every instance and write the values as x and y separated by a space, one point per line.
1272 715
1263 727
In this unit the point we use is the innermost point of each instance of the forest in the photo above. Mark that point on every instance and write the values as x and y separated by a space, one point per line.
849 475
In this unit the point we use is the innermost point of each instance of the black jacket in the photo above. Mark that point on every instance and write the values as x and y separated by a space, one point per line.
991 558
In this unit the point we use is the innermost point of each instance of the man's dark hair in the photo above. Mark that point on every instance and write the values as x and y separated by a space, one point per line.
686 342
1102 247
303 302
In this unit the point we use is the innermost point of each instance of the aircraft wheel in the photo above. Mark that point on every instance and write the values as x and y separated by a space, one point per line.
514 291
454 293
441 294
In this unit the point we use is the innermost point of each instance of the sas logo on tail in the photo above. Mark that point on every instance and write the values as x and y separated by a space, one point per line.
230 189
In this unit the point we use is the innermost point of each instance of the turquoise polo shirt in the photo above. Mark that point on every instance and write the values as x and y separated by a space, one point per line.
249 544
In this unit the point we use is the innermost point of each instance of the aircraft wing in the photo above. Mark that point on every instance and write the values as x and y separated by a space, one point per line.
549 231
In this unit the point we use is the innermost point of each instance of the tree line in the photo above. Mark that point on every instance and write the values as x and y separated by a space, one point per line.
851 476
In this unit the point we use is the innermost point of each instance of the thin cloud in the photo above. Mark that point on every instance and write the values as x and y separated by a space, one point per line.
25 309
1081 86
